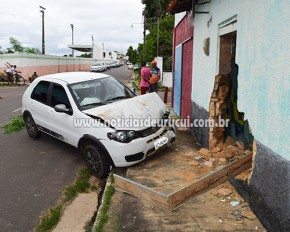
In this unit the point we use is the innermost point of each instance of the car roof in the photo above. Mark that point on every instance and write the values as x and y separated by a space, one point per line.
74 77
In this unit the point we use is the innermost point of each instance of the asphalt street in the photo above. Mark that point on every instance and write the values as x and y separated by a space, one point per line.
33 172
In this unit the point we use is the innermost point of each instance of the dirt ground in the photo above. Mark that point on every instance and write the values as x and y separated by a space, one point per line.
220 209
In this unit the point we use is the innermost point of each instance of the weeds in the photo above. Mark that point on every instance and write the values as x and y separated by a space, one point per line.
49 219
103 218
81 185
15 124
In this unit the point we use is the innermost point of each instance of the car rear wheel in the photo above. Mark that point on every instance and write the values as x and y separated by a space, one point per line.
31 127
98 163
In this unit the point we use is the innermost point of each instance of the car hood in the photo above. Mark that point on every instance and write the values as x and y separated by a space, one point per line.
134 110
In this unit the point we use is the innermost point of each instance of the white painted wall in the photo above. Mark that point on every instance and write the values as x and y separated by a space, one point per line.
178 17
167 79
26 60
262 53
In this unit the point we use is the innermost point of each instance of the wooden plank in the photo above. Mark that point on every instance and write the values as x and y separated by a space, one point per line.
209 181
140 191
177 198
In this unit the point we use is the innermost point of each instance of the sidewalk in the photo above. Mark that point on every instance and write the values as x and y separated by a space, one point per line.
220 209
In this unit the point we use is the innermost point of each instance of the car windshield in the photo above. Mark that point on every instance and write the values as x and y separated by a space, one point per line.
97 64
97 92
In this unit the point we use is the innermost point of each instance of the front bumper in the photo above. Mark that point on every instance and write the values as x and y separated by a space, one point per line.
127 154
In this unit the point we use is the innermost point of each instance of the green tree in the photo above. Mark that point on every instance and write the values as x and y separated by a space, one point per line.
86 55
16 46
32 50
160 25
161 36
132 54
155 8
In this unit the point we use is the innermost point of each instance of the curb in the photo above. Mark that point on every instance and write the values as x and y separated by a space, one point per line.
108 183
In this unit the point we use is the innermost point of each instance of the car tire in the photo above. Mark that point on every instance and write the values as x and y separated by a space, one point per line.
98 163
31 127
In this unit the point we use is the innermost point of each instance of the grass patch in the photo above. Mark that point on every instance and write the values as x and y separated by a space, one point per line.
103 218
50 218
4 84
15 124
136 82
81 185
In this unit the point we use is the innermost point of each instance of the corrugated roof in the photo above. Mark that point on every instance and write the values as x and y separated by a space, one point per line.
177 6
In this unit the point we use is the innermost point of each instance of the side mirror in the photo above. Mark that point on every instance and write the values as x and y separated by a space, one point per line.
61 108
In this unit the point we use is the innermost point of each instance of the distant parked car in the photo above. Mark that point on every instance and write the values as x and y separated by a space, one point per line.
105 66
130 66
83 109
97 67
135 67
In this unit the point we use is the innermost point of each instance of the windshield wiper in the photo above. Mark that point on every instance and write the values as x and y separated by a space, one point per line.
117 98
95 104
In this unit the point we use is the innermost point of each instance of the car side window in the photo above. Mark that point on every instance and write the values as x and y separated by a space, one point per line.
59 96
40 92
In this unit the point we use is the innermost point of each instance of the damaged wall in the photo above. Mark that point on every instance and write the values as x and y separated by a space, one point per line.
262 53
262 56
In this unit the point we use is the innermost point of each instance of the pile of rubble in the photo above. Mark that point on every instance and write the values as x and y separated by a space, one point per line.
238 208
219 155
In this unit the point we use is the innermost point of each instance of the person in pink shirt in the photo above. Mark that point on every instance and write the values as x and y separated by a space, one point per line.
145 76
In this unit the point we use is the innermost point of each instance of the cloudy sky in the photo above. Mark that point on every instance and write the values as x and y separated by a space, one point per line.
114 23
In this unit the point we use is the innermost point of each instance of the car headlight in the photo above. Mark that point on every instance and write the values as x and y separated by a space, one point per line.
122 136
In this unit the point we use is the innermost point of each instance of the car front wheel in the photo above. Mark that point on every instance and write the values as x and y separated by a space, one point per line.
98 163
31 127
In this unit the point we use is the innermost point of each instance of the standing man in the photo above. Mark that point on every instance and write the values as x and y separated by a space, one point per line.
145 75
155 76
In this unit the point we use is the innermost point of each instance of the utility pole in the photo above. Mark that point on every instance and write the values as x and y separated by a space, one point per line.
92 40
42 9
72 38
157 36
144 36
92 46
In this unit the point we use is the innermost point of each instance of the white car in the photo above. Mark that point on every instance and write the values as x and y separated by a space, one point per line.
98 67
98 115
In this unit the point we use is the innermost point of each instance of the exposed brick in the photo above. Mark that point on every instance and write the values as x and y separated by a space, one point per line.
223 92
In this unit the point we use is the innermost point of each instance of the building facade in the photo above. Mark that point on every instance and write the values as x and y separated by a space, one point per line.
248 42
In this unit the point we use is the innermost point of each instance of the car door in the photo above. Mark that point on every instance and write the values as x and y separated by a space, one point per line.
38 104
61 123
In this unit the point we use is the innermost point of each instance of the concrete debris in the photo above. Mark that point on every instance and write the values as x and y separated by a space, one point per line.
240 144
224 192
205 153
209 164
194 163
221 154
188 154
234 203
249 215
230 141
235 215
